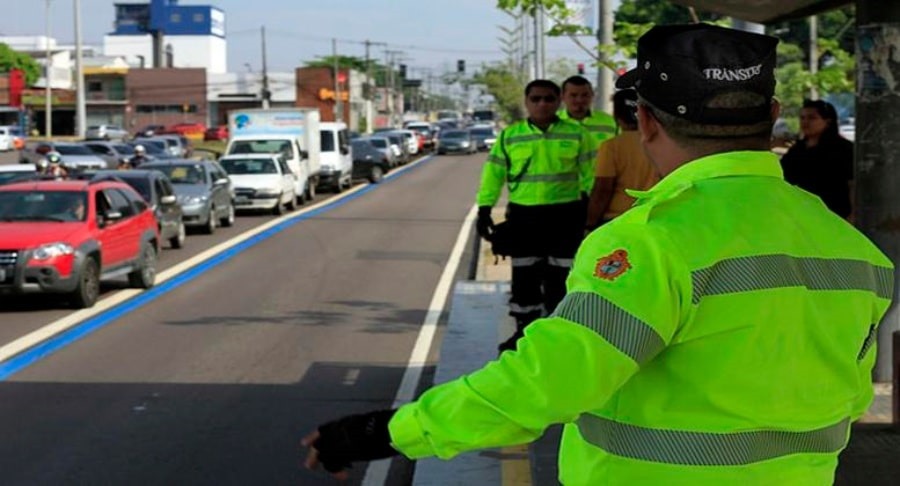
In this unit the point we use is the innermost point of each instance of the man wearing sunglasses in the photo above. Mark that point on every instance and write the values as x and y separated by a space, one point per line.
546 164
720 332
578 97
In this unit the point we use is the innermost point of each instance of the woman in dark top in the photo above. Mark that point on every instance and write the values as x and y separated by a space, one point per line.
822 162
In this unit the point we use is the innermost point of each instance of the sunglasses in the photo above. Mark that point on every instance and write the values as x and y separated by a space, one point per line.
546 99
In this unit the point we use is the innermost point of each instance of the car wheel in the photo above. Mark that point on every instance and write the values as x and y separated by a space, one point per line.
88 289
177 241
211 222
278 210
228 220
376 174
145 275
292 203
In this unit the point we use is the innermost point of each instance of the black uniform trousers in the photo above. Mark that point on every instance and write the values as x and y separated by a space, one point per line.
546 238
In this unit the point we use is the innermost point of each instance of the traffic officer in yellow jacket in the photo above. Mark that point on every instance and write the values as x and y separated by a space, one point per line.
722 331
546 164
578 97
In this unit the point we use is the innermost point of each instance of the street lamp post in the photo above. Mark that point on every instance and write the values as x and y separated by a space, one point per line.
80 110
48 74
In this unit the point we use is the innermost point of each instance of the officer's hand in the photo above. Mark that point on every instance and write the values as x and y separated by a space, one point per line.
484 225
336 445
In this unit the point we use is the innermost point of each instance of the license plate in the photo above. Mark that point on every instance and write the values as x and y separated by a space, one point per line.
242 201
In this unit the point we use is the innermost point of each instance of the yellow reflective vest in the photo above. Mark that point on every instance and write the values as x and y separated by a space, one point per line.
601 125
539 167
720 332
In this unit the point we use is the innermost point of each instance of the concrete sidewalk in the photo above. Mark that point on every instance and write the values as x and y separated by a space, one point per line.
478 321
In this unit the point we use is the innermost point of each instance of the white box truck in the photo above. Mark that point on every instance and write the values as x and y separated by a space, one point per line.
291 132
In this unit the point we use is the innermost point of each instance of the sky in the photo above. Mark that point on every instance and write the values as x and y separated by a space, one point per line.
432 34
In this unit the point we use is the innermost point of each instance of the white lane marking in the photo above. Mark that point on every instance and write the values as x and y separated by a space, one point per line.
44 333
377 472
351 376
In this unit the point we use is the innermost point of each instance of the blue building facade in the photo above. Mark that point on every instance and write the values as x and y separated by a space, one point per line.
168 17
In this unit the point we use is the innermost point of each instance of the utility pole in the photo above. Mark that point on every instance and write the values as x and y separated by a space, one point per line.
370 104
392 108
48 76
266 94
80 109
338 106
813 53
605 90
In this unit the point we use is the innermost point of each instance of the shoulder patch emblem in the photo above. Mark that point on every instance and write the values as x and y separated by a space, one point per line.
613 265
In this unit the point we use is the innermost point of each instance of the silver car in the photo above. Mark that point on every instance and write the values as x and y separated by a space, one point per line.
203 189
74 156
105 132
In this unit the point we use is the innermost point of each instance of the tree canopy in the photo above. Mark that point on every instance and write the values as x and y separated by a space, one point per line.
11 59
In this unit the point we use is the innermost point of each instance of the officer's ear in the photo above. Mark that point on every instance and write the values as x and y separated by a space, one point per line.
776 109
648 125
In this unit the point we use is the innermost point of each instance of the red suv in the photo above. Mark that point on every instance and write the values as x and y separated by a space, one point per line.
63 237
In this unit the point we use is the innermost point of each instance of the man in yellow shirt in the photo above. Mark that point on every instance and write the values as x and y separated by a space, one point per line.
621 165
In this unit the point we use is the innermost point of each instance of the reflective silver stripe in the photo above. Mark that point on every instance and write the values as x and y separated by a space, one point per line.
526 261
627 333
600 128
560 262
522 138
496 160
525 309
564 177
705 448
587 156
562 136
778 271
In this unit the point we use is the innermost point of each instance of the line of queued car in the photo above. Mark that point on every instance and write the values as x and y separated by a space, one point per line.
64 237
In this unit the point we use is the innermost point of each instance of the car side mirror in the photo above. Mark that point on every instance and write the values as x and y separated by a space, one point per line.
170 199
304 154
222 182
368 157
345 150
112 216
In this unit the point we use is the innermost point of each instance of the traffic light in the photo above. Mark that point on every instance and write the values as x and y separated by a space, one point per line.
581 68
461 66
403 71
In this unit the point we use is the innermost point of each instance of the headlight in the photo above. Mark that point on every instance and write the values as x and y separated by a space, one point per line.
52 250
189 200
464 144
268 191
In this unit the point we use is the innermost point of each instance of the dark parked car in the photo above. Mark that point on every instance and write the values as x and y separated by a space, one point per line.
369 162
202 188
156 189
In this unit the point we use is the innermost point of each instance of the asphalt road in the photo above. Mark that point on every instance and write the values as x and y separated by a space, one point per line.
216 381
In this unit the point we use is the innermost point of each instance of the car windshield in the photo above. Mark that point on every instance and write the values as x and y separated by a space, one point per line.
379 142
249 166
124 148
183 174
455 134
9 177
360 145
35 206
261 147
73 150
483 132
153 146
423 130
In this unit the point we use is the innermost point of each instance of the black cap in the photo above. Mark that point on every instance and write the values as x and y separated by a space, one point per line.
680 67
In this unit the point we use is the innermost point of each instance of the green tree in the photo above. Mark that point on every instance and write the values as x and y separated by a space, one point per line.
10 59
506 88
